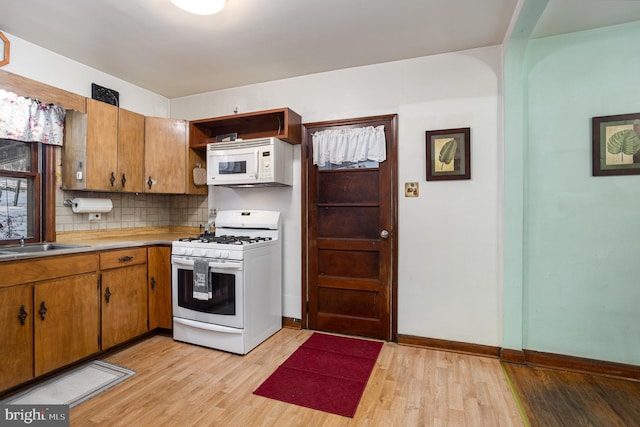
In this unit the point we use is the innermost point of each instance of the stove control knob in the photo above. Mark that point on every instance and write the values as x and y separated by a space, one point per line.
217 254
188 251
225 254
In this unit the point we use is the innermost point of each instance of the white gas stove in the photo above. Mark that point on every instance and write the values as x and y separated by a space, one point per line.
241 266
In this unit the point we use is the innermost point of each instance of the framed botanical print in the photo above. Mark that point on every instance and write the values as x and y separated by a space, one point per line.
616 145
448 154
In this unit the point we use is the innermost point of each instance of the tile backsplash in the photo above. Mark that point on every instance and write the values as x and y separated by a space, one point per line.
133 210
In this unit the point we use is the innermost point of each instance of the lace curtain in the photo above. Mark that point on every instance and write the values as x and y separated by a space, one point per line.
340 146
29 120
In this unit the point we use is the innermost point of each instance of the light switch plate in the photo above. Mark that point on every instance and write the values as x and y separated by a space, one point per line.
411 189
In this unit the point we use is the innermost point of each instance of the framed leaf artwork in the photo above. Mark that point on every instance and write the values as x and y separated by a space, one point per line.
616 145
448 154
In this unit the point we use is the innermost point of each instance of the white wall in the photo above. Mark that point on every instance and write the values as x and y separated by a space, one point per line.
31 61
449 284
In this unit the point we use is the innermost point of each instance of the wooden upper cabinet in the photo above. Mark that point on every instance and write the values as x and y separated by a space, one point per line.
130 151
103 149
282 123
165 156
102 146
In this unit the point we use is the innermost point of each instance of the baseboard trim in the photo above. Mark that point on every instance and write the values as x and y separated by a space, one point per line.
447 345
581 364
513 356
528 357
291 323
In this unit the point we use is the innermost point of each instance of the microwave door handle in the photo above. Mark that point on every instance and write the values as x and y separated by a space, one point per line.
255 169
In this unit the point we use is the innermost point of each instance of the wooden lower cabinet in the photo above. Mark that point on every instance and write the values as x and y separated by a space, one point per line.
124 295
16 335
66 321
159 287
57 310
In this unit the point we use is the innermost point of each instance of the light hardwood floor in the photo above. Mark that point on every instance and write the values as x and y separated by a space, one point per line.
178 384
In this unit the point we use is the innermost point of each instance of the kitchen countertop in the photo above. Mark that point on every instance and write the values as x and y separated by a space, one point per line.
97 240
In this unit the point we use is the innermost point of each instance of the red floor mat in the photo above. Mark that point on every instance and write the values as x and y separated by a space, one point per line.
326 372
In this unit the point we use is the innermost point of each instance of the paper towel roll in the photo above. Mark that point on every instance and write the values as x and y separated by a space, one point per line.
82 205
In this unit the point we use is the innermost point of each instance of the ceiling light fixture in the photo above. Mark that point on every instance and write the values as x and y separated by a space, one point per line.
200 7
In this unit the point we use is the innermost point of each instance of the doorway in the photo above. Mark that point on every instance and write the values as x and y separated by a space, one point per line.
350 238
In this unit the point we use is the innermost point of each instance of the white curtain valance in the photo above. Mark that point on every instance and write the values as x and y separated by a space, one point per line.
340 146
29 120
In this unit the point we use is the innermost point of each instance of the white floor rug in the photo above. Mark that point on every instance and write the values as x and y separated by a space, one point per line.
73 387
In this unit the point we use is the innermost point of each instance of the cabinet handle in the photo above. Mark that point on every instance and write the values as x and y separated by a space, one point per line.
112 180
126 258
43 310
153 283
149 182
22 315
107 295
124 180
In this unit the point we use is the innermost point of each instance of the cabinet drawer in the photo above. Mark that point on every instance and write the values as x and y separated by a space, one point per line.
45 268
122 258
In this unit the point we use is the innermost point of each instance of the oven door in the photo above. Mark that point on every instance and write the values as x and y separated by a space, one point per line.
224 308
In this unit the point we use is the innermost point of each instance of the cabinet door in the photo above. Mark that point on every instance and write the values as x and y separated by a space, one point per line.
160 287
124 304
66 321
165 155
102 146
130 151
16 335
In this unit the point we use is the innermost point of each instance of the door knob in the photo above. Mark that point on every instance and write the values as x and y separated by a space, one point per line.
384 234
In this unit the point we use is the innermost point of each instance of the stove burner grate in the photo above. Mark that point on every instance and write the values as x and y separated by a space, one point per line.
225 239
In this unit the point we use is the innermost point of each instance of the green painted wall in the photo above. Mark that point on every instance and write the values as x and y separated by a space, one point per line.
581 250
515 137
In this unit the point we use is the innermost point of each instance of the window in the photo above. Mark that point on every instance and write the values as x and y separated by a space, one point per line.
20 192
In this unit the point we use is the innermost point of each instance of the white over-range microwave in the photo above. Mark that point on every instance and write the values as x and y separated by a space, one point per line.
254 162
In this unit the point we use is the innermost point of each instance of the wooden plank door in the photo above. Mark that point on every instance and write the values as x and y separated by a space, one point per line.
351 240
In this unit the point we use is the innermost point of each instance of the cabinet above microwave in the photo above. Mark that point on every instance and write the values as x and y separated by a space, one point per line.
282 123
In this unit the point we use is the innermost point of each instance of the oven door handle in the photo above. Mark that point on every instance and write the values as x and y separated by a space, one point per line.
212 264
225 266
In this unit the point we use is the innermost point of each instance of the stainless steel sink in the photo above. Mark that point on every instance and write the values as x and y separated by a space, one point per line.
37 247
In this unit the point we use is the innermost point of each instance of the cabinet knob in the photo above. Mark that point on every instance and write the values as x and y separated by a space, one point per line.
150 182
153 283
43 310
124 180
22 315
112 180
107 295
125 258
